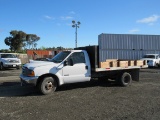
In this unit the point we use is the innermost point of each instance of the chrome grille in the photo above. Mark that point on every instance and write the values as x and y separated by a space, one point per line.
13 61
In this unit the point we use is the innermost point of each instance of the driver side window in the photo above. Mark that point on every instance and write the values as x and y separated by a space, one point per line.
77 57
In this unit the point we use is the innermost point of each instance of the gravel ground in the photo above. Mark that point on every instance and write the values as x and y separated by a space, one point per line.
96 100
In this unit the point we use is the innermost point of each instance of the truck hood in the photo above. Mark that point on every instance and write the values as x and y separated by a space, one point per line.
10 58
14 60
39 64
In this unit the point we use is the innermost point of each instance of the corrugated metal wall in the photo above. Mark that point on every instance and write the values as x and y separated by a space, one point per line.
127 46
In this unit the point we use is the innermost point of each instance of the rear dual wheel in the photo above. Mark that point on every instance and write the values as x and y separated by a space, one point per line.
125 79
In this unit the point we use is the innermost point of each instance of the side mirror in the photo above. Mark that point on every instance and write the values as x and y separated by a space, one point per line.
71 62
65 63
68 62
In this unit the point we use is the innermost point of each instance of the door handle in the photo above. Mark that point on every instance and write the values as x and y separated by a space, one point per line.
66 75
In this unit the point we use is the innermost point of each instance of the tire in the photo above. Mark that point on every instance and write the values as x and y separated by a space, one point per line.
1 66
17 67
125 80
156 65
47 85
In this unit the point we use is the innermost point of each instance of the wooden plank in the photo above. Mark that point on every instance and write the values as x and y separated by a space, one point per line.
145 62
113 63
131 63
104 64
139 62
110 60
122 63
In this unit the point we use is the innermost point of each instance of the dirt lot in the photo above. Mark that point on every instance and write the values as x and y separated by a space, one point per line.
83 101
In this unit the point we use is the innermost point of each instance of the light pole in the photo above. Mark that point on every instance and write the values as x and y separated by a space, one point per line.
76 25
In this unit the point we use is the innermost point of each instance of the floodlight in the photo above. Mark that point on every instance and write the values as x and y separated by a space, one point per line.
73 21
78 23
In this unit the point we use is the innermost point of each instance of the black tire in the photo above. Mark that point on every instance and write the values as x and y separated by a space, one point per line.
17 67
47 85
125 79
1 66
156 65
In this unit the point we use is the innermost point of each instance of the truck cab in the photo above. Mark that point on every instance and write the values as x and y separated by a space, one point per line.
153 60
66 67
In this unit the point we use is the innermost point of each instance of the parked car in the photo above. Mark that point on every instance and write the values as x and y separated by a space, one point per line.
153 60
9 60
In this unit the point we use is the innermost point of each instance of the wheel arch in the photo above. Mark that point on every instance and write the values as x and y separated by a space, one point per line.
48 75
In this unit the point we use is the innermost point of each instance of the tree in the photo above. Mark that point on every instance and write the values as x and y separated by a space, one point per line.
31 40
19 39
42 48
15 41
60 48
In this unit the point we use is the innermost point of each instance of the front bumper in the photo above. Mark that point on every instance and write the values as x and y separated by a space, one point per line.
28 80
151 64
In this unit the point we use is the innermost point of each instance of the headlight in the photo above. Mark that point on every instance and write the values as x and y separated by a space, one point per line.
27 72
30 73
6 61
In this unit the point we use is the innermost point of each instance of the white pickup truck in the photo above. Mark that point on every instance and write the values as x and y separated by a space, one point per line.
72 67
9 60
153 60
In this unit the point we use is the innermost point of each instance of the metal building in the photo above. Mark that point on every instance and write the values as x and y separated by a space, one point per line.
127 46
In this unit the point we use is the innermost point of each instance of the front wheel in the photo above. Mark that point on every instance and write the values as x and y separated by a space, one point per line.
156 65
17 67
125 79
47 85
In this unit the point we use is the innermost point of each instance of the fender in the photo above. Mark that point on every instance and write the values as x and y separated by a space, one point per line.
57 76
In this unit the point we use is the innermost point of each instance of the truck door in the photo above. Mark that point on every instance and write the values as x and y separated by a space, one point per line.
76 69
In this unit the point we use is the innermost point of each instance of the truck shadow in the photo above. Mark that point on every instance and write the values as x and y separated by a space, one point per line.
14 89
93 83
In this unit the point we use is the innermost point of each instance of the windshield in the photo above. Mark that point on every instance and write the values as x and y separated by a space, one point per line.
60 56
149 56
8 56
